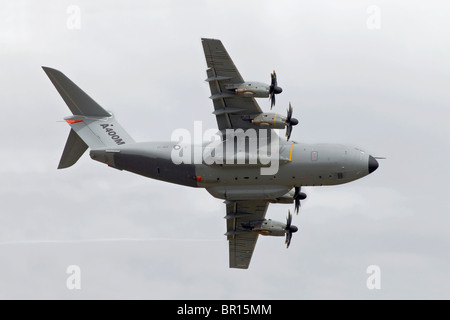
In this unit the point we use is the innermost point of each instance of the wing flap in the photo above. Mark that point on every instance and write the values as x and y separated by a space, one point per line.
241 250
221 73
241 241
218 60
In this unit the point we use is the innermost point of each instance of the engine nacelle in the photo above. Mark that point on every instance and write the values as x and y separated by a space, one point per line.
266 227
286 199
270 120
253 89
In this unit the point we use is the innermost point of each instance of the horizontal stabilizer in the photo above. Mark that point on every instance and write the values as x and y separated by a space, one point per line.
76 99
74 149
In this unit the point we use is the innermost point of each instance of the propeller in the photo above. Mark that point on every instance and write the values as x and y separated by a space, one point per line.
298 195
290 122
274 89
289 229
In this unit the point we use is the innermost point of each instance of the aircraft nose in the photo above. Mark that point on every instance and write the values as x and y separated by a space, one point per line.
373 164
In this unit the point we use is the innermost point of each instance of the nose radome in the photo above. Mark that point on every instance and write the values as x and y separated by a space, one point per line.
373 164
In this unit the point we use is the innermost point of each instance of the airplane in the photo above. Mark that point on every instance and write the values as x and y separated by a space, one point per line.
247 187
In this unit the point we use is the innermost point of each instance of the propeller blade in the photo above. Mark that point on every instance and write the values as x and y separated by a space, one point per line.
289 229
288 132
297 199
288 220
290 122
288 239
298 195
274 88
289 113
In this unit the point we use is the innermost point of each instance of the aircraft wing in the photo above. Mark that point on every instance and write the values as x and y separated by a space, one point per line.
241 241
229 108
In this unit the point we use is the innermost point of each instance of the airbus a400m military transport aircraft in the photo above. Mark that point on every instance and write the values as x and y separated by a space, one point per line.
240 179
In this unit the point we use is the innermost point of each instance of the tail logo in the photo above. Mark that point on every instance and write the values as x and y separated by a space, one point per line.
110 131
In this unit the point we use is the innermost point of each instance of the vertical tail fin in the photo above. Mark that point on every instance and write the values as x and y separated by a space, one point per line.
75 98
92 126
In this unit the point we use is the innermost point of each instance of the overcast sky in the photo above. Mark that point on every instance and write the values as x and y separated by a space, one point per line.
373 74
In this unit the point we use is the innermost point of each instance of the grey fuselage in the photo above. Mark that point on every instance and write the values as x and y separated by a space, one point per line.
300 165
